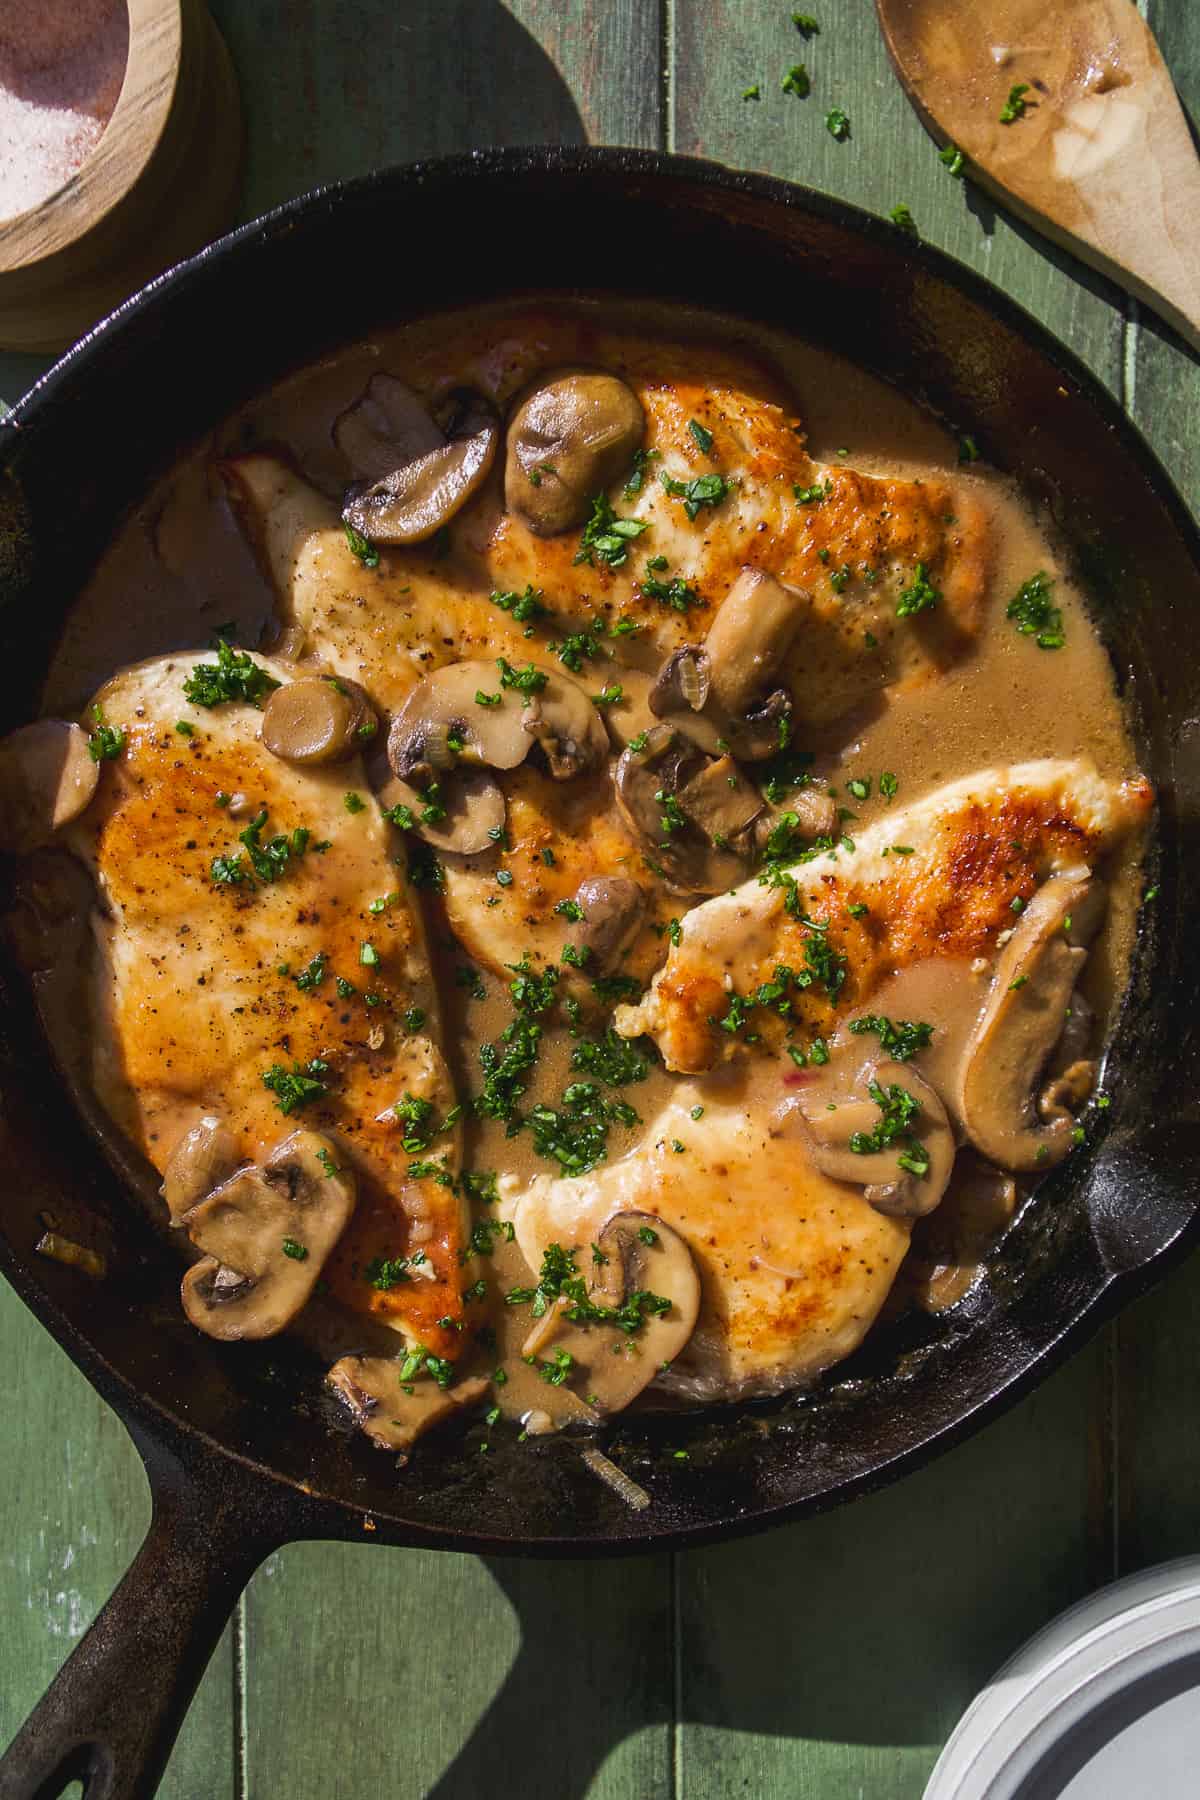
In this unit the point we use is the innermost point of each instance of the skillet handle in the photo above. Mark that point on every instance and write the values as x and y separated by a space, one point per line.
112 1714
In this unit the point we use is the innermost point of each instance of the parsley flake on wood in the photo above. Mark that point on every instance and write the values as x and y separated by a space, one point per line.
805 24
298 1086
796 82
1016 106
234 676
752 93
837 124
952 159
902 216
1034 613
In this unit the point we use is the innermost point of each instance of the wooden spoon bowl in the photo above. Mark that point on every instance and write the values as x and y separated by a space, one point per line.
160 182
1098 154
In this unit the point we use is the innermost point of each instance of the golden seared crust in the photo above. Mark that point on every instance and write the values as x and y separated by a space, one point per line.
937 879
853 552
198 979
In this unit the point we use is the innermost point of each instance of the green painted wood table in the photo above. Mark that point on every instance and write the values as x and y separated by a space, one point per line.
823 1662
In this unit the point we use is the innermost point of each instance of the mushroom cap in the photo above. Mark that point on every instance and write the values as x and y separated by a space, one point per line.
203 1158
691 864
474 811
410 503
265 1234
387 426
1022 1020
613 908
569 438
47 778
564 722
887 1186
394 1419
317 719
615 1366
443 703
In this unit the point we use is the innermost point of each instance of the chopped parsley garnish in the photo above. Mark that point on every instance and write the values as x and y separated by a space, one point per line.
796 82
952 158
1015 106
480 1185
898 1038
354 803
900 1110
185 728
298 1086
859 788
611 988
576 1138
678 594
368 956
314 975
522 607
889 785
1034 613
362 547
529 680
470 979
569 909
547 856
840 577
266 862
613 1059
297 1252
610 695
701 490
638 743
580 646
968 449
783 772
902 216
702 435
560 1278
813 496
636 478
106 742
918 596
386 1272
234 676
606 536
327 1163
837 124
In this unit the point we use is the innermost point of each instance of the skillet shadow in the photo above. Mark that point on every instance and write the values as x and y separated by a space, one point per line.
872 1625
431 77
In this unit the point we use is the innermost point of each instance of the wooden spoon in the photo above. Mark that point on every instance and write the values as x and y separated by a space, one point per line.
1101 157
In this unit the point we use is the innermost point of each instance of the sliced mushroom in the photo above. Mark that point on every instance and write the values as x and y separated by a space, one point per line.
203 1158
371 1387
47 777
568 440
887 1184
563 720
648 784
317 719
720 799
441 724
613 908
815 815
470 805
265 1234
387 426
629 716
948 1248
719 692
411 502
639 1254
1023 1020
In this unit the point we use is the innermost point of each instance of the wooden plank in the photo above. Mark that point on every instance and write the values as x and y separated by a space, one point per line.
376 1671
75 1507
829 1660
869 1630
721 47
413 1673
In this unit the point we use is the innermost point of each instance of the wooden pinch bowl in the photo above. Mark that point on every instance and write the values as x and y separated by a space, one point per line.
160 183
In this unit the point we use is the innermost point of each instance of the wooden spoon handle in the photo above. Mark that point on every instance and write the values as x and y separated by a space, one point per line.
1099 155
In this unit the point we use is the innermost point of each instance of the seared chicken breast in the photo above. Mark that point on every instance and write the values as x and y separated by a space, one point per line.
261 961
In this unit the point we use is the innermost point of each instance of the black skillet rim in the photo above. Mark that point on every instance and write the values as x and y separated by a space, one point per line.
330 1515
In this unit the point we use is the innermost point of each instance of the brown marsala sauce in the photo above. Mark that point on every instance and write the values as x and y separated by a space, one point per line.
179 568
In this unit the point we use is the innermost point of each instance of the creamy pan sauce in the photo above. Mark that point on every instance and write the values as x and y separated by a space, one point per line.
189 563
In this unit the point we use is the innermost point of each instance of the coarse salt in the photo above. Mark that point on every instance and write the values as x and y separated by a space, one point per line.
62 63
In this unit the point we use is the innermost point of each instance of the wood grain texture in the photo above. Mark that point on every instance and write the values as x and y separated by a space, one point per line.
75 1507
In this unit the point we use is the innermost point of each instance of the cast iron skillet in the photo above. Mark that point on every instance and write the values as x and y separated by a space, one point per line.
241 1450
